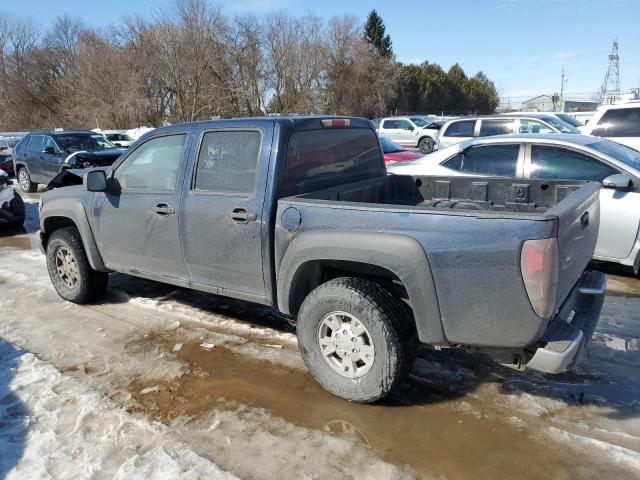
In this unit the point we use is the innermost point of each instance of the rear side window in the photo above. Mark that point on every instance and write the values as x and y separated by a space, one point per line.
553 163
315 154
495 160
228 160
461 129
533 126
35 142
622 122
496 127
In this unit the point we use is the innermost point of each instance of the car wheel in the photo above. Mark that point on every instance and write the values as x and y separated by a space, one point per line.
425 145
24 179
356 339
69 268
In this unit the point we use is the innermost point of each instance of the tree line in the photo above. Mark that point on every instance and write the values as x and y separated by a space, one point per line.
191 62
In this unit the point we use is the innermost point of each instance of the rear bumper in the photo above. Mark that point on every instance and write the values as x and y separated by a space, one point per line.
571 330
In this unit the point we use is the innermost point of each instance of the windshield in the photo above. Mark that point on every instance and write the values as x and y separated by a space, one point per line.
564 127
83 141
388 146
420 122
569 119
622 153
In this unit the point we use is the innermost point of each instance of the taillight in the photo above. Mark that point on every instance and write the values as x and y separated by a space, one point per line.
539 265
335 122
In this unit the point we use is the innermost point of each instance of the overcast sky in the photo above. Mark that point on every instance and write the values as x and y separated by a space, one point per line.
523 46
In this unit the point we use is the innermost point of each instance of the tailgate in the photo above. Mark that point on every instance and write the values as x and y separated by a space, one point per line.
578 222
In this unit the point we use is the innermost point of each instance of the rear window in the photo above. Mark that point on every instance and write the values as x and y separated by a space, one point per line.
622 122
315 154
461 129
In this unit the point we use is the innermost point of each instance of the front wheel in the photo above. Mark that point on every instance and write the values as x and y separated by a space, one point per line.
425 145
24 179
356 339
69 268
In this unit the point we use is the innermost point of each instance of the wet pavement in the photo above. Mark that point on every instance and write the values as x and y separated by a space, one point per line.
458 416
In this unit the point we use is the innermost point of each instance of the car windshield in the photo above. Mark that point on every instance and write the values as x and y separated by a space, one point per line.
83 141
622 153
564 127
420 122
388 146
569 119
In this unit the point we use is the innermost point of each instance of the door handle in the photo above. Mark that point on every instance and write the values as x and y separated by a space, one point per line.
241 215
163 209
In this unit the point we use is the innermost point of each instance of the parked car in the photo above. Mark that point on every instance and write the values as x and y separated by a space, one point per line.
12 211
7 144
119 139
456 131
413 132
394 153
561 121
620 123
557 157
40 156
298 213
6 163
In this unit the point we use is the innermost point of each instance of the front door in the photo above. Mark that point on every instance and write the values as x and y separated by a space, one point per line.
50 160
221 222
137 222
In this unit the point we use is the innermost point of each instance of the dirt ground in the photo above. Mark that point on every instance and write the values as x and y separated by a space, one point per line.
225 378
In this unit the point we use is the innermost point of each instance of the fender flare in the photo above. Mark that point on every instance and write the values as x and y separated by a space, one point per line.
74 211
400 254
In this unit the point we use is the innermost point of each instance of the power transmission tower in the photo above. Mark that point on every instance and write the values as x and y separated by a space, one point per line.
610 90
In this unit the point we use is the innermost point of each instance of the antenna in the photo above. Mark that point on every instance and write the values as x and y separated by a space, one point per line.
610 90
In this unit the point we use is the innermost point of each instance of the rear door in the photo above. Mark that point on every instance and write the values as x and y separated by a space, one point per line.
619 215
31 157
456 132
503 160
496 126
223 230
137 223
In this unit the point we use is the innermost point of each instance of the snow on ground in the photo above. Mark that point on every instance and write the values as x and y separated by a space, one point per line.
52 426
591 417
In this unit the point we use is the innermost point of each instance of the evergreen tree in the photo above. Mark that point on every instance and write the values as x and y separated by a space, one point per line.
374 33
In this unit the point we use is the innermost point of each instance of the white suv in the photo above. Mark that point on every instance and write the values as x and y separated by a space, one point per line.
410 132
620 123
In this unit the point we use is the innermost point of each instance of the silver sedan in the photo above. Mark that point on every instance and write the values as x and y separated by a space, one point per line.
556 157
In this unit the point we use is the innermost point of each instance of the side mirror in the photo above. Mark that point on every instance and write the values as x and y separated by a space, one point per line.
96 181
49 150
410 128
118 144
619 181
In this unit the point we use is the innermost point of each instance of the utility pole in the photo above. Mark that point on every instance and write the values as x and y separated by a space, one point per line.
610 90
562 83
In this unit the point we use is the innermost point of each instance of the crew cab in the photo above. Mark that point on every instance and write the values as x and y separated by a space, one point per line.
414 132
40 156
299 214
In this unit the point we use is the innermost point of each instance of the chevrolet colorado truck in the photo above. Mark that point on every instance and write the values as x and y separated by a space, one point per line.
298 213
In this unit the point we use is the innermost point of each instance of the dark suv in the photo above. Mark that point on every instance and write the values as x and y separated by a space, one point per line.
40 156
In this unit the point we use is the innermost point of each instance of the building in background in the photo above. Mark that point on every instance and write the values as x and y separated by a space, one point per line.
552 103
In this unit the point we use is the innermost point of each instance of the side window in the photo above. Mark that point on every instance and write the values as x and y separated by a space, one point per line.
154 165
559 163
49 142
496 127
35 142
495 160
404 125
390 124
533 126
461 129
228 160
623 122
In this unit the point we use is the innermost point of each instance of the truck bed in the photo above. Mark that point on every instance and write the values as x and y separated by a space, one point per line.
452 195
471 230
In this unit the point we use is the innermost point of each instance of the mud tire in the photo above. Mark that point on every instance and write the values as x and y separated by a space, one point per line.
391 328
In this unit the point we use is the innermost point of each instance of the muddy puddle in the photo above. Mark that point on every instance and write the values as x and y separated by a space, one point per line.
445 438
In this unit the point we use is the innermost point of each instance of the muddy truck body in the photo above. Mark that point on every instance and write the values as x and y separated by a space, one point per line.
299 214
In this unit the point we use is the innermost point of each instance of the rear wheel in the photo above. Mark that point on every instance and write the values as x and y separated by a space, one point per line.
356 339
24 179
425 145
69 268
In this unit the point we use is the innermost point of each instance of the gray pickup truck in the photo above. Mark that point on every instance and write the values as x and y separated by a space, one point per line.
299 213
